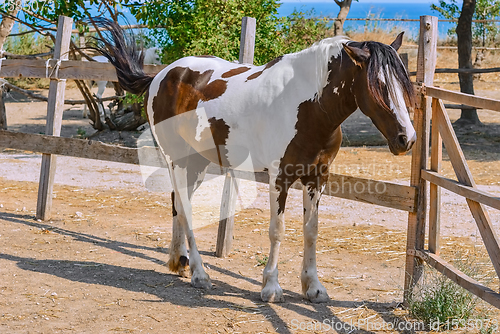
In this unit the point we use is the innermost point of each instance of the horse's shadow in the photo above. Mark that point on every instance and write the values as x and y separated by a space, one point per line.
170 288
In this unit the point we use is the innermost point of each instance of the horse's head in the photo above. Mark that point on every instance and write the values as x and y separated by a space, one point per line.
383 90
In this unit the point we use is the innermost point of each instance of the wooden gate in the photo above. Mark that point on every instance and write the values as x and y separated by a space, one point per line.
431 108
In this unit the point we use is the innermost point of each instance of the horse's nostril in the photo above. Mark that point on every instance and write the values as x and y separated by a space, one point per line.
402 140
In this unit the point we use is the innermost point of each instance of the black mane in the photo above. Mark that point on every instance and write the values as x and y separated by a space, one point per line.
384 58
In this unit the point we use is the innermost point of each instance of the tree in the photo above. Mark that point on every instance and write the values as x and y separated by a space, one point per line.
210 26
482 32
7 23
464 42
345 6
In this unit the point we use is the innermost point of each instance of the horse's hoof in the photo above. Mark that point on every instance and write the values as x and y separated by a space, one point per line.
317 295
179 265
201 282
272 295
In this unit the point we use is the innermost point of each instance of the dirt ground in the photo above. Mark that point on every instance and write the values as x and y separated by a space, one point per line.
98 265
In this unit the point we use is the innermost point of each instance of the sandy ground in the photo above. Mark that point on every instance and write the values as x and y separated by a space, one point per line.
98 265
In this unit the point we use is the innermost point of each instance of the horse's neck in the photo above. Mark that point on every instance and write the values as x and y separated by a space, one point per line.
312 65
337 99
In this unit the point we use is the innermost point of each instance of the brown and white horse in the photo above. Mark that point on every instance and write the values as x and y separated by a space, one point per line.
283 118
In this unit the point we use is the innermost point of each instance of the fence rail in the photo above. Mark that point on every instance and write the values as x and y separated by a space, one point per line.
395 196
66 69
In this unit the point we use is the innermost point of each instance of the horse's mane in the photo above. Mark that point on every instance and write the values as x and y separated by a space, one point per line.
385 60
321 52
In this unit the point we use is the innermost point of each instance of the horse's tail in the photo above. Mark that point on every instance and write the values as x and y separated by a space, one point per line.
121 50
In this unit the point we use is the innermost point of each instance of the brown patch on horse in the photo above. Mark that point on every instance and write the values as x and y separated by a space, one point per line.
310 153
180 266
174 211
234 71
219 133
268 65
182 89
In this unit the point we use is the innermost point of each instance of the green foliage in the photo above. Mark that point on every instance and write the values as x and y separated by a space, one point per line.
482 32
28 44
439 300
210 27
193 27
81 133
131 99
442 300
298 32
261 261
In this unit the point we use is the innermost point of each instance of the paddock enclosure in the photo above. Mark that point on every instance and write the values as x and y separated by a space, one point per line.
425 166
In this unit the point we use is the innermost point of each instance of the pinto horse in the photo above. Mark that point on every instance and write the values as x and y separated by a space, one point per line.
283 117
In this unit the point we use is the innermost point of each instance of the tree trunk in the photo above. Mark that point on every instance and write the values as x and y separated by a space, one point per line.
338 26
8 23
5 29
464 40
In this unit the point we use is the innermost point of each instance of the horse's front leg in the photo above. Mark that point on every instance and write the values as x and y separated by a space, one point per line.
311 287
271 290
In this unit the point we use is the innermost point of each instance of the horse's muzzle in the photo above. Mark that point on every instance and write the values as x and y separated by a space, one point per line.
402 144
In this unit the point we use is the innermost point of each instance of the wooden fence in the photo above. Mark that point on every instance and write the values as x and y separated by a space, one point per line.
411 198
431 107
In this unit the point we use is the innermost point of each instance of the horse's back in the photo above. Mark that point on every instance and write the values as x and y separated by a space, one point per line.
210 102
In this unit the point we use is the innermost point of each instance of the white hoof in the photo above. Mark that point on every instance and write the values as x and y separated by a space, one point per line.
272 293
201 281
317 294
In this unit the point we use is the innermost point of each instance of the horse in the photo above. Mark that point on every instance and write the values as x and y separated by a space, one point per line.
151 57
283 118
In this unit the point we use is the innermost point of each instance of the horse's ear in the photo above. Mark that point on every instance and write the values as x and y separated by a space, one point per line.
358 55
398 41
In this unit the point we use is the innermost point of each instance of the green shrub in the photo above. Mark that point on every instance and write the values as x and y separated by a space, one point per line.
439 300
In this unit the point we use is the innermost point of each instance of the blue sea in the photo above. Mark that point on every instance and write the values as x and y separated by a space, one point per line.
368 9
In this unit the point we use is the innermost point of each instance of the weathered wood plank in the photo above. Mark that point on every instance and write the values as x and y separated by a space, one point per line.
435 192
462 190
69 69
460 278
370 191
3 111
426 64
247 41
395 196
464 175
227 211
54 121
462 98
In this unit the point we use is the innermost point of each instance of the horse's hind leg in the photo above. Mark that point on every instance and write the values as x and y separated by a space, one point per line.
178 261
311 287
187 175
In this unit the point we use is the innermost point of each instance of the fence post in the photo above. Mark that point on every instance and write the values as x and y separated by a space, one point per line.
230 192
404 59
426 64
247 41
435 191
3 112
54 119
